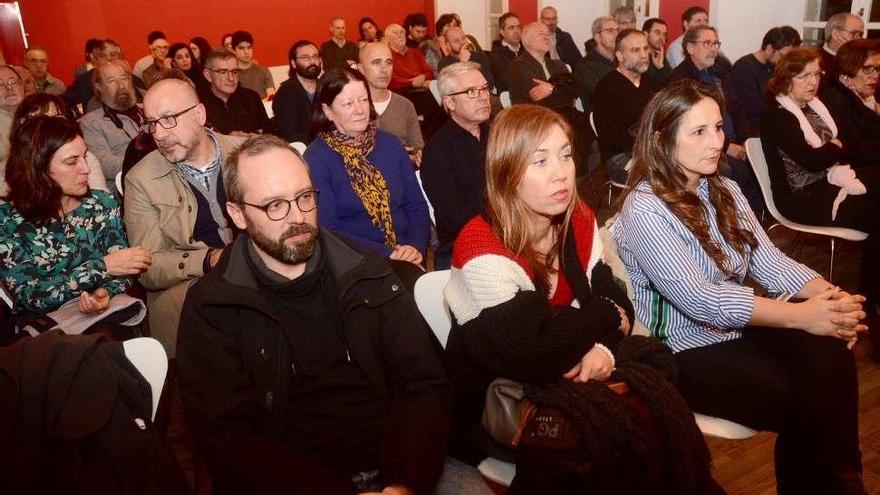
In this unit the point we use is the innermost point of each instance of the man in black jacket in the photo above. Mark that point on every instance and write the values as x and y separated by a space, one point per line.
292 105
600 61
506 49
562 45
230 107
304 363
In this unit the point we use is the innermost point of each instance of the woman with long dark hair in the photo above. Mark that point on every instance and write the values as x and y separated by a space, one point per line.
59 240
688 239
369 31
535 301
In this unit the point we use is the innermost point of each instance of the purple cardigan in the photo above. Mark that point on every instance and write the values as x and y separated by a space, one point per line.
340 209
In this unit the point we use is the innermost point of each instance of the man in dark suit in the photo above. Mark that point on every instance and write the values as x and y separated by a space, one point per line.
562 45
506 49
535 78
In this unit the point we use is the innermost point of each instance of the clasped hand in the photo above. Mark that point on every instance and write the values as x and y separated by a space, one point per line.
835 313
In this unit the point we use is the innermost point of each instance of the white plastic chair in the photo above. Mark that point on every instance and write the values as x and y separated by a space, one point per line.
435 90
762 173
148 356
430 207
280 73
268 106
723 428
505 99
299 146
428 293
118 181
579 106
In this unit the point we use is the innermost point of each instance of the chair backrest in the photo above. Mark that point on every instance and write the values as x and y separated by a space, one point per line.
299 146
755 152
148 356
505 99
118 181
428 294
435 90
267 104
280 73
422 187
593 124
579 105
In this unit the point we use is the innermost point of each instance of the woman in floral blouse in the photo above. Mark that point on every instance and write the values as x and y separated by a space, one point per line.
59 240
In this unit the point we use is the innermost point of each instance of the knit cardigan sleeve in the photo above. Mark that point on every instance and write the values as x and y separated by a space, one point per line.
508 327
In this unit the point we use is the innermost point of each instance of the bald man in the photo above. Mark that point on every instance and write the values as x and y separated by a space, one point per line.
397 115
338 51
175 205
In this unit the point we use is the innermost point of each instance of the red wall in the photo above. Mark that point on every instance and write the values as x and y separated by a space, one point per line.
62 27
527 10
670 11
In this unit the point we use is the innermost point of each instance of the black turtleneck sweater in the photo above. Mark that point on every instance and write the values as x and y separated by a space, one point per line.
334 413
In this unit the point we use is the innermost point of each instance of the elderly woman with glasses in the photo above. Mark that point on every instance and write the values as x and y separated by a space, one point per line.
368 185
807 160
851 101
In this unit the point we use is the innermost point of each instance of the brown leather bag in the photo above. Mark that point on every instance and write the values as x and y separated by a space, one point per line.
507 413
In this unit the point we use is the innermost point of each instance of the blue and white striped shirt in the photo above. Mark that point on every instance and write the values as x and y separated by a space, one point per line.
680 294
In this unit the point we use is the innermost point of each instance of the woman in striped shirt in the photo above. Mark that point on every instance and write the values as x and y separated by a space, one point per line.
688 239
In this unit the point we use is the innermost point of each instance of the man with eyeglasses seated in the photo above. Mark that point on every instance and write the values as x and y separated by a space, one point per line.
231 108
703 62
599 61
839 29
109 129
11 94
453 169
175 202
293 102
304 364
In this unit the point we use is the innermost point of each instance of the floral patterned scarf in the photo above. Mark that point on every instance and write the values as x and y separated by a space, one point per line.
366 180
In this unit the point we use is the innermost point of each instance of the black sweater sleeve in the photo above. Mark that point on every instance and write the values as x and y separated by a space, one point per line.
524 339
781 129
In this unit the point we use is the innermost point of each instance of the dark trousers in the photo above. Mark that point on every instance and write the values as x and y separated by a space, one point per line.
812 206
802 386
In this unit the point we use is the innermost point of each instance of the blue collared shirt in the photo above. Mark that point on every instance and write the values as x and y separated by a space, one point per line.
680 294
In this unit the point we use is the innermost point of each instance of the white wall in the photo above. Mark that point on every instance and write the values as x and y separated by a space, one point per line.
742 24
473 17
576 16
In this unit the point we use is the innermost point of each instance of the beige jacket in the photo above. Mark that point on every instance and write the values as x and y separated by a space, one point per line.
160 215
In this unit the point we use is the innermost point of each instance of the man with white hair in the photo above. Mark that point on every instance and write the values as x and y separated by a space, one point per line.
839 29
453 170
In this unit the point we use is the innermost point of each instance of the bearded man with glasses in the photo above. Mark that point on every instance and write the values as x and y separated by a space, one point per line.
231 108
293 103
175 204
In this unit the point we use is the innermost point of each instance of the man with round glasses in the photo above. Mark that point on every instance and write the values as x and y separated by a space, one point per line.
175 201
231 108
303 359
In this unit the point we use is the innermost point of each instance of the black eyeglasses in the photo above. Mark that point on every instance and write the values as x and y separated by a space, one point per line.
473 93
166 122
870 69
226 72
278 209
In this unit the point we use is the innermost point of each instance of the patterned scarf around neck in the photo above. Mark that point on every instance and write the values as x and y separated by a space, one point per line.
366 180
